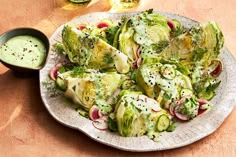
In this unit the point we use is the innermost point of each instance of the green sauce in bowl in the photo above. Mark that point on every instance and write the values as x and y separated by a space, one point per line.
23 50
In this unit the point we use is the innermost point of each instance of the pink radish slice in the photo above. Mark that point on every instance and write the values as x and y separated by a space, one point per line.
172 108
156 108
200 111
182 100
217 71
94 113
171 24
201 102
153 104
110 100
176 103
139 62
134 65
138 52
54 71
116 93
101 123
102 25
81 27
179 115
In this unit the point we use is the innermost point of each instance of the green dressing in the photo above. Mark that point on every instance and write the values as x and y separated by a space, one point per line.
25 51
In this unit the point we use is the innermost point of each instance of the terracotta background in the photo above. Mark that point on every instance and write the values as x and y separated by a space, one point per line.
27 129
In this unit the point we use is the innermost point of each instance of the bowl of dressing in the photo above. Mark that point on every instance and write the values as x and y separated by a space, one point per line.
24 50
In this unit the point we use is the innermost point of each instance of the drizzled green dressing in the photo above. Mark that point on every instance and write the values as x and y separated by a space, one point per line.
25 51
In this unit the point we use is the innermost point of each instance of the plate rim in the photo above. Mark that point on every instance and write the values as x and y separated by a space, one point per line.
107 142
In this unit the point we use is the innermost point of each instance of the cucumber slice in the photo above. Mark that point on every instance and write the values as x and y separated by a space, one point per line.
186 92
168 72
82 112
98 32
206 95
171 127
61 84
163 123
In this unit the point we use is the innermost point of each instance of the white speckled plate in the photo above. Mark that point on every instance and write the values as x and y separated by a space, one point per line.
185 133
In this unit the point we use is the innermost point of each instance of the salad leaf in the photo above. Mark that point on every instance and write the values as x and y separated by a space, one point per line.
127 44
110 34
92 52
90 88
58 47
112 124
198 54
205 87
193 45
189 108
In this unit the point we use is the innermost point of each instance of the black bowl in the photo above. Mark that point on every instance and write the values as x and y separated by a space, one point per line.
25 31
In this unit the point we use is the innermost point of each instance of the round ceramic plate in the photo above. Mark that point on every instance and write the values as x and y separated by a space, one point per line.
185 133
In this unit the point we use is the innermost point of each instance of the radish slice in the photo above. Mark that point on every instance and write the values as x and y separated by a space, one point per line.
176 103
117 92
139 62
134 65
138 52
94 113
218 68
202 102
153 104
172 108
102 25
81 27
171 24
110 100
54 71
156 108
101 123
200 111
182 100
179 115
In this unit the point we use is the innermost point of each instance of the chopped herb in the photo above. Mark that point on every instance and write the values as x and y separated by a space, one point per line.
198 54
107 59
51 87
58 47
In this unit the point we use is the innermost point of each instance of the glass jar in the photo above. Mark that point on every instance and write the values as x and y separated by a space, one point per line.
120 5
81 2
